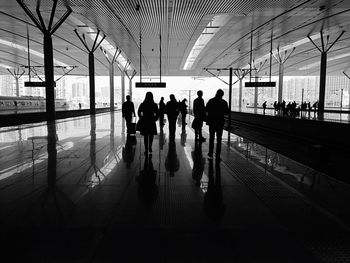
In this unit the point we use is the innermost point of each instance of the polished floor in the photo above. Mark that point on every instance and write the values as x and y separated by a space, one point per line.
83 191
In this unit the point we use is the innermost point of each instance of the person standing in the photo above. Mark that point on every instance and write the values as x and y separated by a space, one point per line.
264 106
183 111
199 116
161 111
128 111
172 110
148 114
216 109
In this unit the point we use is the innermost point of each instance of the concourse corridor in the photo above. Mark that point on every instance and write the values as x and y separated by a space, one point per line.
83 191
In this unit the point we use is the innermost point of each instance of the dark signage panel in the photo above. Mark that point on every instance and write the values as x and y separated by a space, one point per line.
150 85
37 84
260 84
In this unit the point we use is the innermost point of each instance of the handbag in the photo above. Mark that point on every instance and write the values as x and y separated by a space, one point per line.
139 125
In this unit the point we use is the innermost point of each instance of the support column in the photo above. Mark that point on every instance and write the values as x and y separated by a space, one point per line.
47 30
16 75
256 91
122 76
323 69
49 77
240 93
111 86
323 75
230 98
92 82
130 88
91 66
280 82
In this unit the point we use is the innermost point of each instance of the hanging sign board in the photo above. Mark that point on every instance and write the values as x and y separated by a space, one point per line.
260 84
37 84
150 85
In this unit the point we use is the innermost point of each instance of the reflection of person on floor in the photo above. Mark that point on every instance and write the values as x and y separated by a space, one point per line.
147 187
216 109
172 110
183 136
214 206
148 114
128 111
129 150
172 163
198 163
199 116
161 138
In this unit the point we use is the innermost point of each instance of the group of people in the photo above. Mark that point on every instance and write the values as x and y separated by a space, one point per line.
149 112
292 108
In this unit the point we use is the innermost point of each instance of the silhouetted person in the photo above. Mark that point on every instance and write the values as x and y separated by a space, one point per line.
183 111
162 111
128 111
198 163
264 106
183 136
148 114
172 163
172 110
213 201
216 109
129 149
147 187
199 116
79 106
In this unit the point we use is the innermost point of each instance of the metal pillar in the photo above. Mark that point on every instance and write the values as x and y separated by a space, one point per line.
230 98
51 153
240 93
130 88
49 77
256 91
302 95
280 81
17 75
47 30
240 74
281 59
123 85
91 66
111 86
323 69
323 75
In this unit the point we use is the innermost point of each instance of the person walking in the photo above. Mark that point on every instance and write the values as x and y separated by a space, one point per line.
264 106
216 109
148 113
172 110
199 116
183 111
161 111
128 110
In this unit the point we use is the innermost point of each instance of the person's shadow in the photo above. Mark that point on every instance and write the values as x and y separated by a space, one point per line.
183 136
172 163
214 205
147 187
129 149
198 163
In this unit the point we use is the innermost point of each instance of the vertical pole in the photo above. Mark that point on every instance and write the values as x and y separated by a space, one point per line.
341 99
17 86
280 82
302 95
240 93
230 99
49 77
130 88
123 85
51 154
111 86
323 74
92 82
256 90
189 101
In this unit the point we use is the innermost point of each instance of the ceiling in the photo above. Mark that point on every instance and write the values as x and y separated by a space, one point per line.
246 35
